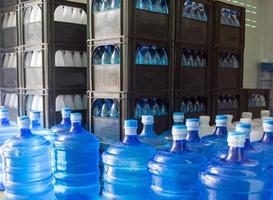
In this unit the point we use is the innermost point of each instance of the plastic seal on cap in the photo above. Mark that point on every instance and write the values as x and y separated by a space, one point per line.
247 115
66 112
268 125
179 132
130 127
221 120
236 139
244 128
192 124
23 122
265 113
147 119
35 115
4 113
178 117
246 120
76 117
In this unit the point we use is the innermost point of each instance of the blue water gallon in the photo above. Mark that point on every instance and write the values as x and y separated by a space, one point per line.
175 172
126 175
76 163
27 166
235 176
148 135
65 124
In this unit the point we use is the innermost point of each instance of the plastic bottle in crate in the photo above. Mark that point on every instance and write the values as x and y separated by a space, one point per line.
27 167
148 135
235 176
76 163
126 175
175 172
65 124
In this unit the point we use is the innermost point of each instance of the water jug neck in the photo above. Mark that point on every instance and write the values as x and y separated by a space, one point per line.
76 127
235 155
267 138
35 124
66 121
131 140
25 132
148 130
179 146
221 131
193 136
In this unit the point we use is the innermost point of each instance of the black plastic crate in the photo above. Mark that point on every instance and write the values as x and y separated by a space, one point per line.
42 69
8 3
191 28
50 103
129 76
10 99
192 67
228 67
130 21
9 68
227 32
9 27
110 129
42 22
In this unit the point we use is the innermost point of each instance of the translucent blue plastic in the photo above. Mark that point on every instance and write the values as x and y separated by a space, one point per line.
27 166
6 131
77 163
126 175
235 177
115 58
65 124
107 54
148 135
175 172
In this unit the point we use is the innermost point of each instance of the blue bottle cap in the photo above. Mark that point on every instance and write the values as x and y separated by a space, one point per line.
131 123
35 115
147 119
4 113
236 139
192 124
23 122
179 132
221 117
66 112
76 117
244 128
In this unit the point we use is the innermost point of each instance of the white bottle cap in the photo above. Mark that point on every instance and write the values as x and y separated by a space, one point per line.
204 120
4 113
244 128
179 132
247 115
130 127
192 124
265 113
35 115
178 117
245 120
76 117
23 122
236 139
221 120
66 112
147 119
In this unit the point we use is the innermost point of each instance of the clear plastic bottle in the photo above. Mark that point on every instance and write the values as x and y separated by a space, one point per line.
26 159
107 55
115 58
65 124
77 163
126 176
148 135
235 176
166 166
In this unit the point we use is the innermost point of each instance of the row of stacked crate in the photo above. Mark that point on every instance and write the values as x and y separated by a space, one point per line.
49 64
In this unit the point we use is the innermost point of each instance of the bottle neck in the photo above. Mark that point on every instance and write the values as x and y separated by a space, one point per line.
179 146
4 122
131 140
76 127
24 132
248 145
66 121
221 131
148 130
35 124
193 136
267 138
235 155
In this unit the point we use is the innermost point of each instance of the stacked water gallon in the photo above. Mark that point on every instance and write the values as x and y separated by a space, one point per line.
63 45
9 80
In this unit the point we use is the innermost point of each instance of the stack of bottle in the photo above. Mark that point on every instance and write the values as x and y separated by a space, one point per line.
105 108
10 60
151 55
230 17
158 6
11 100
228 102
195 10
256 100
194 58
70 59
156 107
193 105
70 15
229 60
9 20
105 5
105 55
33 58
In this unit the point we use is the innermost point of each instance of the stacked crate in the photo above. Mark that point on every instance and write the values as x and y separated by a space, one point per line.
228 42
192 43
53 57
9 62
125 83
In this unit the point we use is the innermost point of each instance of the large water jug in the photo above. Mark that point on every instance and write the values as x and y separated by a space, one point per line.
76 163
175 172
148 135
7 130
126 176
26 165
235 176
65 124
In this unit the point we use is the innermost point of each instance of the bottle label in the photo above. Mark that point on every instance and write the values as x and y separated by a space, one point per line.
192 126
221 123
267 128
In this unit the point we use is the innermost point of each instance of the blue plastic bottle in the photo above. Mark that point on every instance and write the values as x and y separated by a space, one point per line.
175 172
235 176
96 58
65 124
77 163
219 138
107 55
6 131
126 175
105 110
27 167
148 135
114 112
115 58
